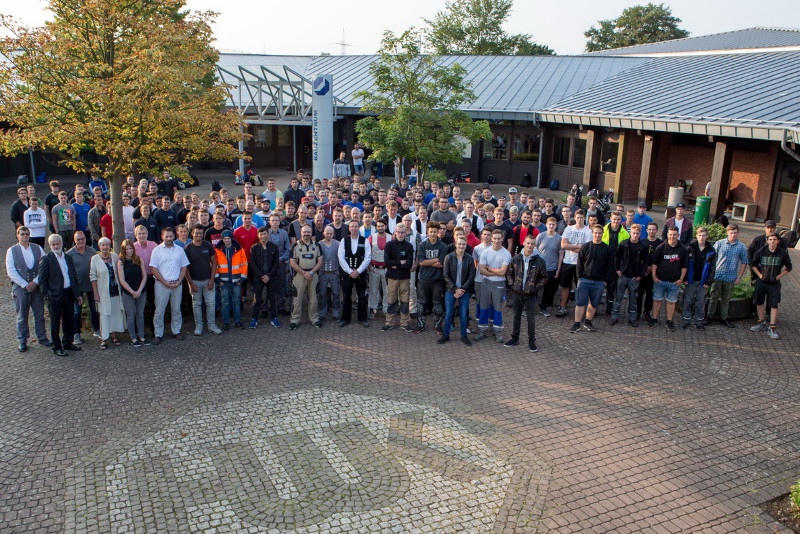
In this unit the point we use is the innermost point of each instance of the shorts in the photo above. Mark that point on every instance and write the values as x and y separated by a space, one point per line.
771 293
567 276
589 291
665 291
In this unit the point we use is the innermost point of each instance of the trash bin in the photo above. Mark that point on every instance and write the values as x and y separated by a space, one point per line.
702 207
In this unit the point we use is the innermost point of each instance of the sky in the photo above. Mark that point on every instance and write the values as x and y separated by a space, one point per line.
314 27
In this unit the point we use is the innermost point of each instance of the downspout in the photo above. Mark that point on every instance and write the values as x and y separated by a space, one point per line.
796 156
541 151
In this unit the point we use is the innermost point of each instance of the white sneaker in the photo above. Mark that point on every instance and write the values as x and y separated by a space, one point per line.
214 329
77 340
772 333
198 331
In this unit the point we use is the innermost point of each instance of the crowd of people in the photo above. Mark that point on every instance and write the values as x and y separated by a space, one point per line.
420 255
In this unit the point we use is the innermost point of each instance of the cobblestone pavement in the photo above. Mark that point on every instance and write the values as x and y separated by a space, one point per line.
354 430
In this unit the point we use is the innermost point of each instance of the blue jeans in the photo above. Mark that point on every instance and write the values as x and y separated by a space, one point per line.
231 296
631 286
463 312
589 292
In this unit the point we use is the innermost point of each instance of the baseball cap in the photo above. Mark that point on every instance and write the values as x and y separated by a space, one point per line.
227 233
502 197
642 205
770 223
512 189
680 205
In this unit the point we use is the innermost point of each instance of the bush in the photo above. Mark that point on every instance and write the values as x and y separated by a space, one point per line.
744 289
716 232
436 175
794 496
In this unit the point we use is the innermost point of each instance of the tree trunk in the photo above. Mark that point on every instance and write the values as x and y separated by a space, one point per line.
115 190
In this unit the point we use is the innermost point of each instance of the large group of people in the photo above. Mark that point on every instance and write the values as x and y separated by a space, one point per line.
424 255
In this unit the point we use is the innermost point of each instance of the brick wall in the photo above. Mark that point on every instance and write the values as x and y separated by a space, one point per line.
633 166
752 175
690 163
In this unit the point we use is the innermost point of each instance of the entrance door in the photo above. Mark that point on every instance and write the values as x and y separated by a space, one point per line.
786 196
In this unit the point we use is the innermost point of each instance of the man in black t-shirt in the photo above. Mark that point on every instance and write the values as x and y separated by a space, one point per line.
644 300
200 277
670 262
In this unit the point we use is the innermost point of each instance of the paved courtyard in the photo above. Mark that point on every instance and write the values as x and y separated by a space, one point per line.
355 430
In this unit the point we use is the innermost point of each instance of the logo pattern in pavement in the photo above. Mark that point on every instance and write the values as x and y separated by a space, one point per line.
311 461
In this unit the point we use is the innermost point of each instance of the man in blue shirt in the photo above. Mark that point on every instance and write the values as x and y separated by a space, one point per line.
731 264
641 217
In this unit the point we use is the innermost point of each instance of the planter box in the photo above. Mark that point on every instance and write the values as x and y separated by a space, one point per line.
740 308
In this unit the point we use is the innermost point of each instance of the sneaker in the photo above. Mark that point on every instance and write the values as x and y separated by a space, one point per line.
633 323
365 324
136 343
77 340
97 334
198 331
178 336
371 315
238 325
418 329
651 323
226 326
511 342
561 311
545 312
524 314
465 340
532 347
574 328
613 321
439 331
647 318
293 326
386 328
406 328
684 326
214 329
157 340
318 324
760 327
589 326
253 323
670 326
275 323
728 323
442 340
480 337
701 327
145 342
499 338
772 333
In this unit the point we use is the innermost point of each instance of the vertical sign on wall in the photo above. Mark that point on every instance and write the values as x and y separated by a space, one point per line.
322 126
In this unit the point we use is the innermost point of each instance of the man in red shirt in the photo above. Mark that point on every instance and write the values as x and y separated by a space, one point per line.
106 224
247 236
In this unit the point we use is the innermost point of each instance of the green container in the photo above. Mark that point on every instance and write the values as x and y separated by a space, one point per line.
701 209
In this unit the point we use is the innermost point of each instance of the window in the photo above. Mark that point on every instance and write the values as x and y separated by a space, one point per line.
284 136
263 136
608 156
561 150
578 152
526 147
497 148
790 176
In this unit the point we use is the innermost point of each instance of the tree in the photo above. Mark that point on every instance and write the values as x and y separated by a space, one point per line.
474 27
416 103
130 81
637 25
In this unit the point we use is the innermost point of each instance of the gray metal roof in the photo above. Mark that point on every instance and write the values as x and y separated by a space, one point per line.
749 38
743 95
507 87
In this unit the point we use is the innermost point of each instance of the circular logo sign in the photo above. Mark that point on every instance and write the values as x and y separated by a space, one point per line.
321 86
311 459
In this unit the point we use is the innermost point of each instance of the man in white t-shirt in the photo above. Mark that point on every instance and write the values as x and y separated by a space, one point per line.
493 264
358 159
571 240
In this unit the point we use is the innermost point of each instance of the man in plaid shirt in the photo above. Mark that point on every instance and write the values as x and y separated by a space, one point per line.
731 265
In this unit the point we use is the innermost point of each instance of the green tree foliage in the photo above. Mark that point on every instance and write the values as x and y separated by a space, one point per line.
474 27
132 81
416 101
637 25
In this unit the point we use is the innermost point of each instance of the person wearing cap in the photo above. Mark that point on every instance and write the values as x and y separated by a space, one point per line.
512 200
770 264
306 260
684 225
231 273
760 241
642 218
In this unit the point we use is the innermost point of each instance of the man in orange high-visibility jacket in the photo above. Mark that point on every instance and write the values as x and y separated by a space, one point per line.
231 273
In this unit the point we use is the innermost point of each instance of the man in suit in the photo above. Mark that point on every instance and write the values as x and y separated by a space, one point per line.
59 281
